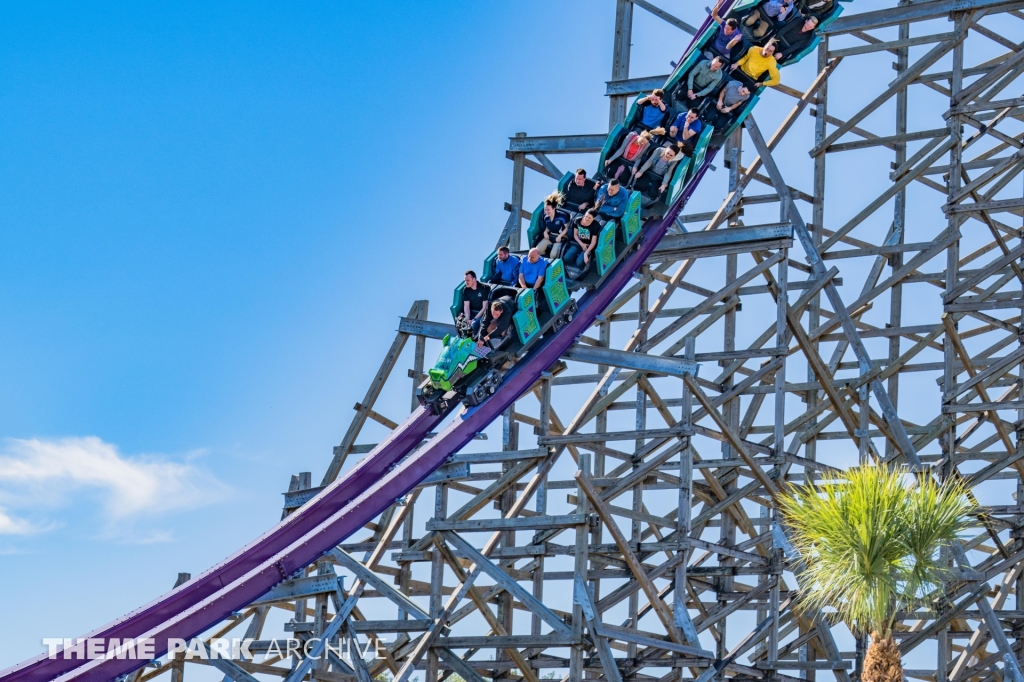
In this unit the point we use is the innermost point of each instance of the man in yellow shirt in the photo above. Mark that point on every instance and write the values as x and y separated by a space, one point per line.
759 60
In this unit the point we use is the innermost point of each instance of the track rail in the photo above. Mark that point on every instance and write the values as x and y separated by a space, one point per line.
134 624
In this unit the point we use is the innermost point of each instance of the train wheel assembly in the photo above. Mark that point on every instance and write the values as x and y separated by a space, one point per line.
482 388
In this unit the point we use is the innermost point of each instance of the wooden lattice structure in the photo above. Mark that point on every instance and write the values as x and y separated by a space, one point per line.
624 527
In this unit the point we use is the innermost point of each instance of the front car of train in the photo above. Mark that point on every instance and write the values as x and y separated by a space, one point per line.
459 359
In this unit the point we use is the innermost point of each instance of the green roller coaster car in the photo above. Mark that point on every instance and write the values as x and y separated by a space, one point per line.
461 365
459 359
470 373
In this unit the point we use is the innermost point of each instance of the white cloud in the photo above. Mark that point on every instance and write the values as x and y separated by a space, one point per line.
36 474
14 526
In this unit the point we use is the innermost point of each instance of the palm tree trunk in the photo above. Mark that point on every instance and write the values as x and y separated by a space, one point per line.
882 662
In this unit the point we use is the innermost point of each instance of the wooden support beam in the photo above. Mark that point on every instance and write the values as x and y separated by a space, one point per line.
637 361
525 523
986 106
534 166
889 45
481 604
510 585
770 486
557 144
551 170
1002 205
919 67
899 436
866 21
635 567
665 16
604 652
887 141
390 358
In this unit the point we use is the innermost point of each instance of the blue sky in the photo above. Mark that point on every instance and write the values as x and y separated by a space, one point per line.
212 216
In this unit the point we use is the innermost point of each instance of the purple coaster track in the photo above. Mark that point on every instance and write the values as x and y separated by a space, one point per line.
396 446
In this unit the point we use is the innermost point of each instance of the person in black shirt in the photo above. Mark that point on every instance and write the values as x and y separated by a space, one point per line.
585 230
580 192
819 8
496 330
474 298
795 35
552 227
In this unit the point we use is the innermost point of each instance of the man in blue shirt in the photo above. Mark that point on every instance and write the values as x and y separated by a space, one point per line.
611 201
531 271
686 129
531 275
652 109
506 268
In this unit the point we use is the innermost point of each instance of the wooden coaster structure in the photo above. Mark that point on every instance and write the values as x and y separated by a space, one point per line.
624 529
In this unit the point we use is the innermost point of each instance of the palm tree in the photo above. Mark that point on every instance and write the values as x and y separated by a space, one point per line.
870 547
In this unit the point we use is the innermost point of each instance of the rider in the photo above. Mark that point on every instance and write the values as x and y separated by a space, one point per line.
760 20
611 201
818 8
474 299
661 164
796 35
732 96
652 110
704 78
584 239
729 38
629 152
553 229
531 276
506 268
758 61
580 193
496 330
686 129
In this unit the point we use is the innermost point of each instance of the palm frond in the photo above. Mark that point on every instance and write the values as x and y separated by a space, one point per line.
869 543
939 514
